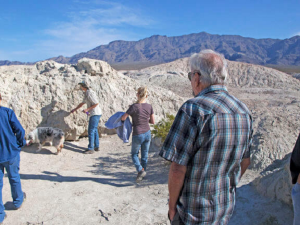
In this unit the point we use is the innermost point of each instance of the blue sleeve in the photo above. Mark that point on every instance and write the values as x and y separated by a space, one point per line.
17 129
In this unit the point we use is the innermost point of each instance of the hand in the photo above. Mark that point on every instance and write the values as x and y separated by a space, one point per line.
85 111
171 214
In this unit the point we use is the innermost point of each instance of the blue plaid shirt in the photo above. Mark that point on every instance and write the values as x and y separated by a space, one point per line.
211 135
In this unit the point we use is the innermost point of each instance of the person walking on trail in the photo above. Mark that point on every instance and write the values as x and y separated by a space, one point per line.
94 113
142 114
12 138
295 171
208 145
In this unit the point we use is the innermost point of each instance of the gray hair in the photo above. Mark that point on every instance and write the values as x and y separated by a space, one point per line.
212 66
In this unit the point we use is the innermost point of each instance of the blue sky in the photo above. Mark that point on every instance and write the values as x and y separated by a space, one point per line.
33 30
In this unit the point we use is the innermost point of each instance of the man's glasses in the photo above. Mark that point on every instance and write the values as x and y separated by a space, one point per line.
191 74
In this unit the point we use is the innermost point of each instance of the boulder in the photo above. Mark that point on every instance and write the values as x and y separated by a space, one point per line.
276 182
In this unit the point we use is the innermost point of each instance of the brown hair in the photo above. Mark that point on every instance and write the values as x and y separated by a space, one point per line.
84 85
142 94
0 97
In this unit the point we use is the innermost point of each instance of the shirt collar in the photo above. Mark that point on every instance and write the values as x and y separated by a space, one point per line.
212 88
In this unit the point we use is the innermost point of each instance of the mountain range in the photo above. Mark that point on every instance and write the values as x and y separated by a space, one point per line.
161 49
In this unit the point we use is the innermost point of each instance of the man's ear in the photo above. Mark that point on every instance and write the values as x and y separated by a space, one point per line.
198 81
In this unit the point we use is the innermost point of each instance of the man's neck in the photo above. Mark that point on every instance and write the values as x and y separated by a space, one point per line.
201 87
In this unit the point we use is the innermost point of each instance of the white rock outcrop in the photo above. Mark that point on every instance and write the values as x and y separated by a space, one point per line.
43 94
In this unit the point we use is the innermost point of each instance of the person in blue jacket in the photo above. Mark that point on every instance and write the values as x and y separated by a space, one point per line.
12 138
142 114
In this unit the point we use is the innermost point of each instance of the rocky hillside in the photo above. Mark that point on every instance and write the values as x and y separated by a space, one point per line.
161 49
8 63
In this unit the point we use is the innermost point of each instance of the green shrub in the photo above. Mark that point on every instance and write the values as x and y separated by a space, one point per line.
162 128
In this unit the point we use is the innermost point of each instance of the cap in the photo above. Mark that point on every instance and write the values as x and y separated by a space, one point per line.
83 84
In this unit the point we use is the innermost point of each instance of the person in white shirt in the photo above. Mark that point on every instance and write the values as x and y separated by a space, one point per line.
94 113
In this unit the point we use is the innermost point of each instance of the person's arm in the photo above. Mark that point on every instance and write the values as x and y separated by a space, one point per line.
79 106
295 162
124 117
129 112
90 108
152 119
17 129
244 165
246 157
175 184
93 99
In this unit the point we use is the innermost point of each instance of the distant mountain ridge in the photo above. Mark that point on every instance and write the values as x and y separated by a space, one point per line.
161 49
8 63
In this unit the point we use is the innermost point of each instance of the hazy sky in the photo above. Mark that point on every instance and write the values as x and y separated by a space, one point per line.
32 30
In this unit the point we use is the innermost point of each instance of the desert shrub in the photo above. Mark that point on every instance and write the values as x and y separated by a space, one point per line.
162 128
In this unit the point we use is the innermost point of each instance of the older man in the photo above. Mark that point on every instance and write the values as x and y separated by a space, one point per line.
12 138
209 146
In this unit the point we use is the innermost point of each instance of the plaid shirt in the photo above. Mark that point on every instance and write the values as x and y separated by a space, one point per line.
211 135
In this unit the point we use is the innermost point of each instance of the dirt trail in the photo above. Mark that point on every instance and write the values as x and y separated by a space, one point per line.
74 188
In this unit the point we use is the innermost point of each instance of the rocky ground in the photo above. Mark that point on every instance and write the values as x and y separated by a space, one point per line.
74 188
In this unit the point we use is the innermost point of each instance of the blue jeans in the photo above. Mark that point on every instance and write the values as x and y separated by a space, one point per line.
296 203
12 168
93 132
141 141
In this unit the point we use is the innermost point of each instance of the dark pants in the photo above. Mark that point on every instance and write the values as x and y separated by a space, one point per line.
177 220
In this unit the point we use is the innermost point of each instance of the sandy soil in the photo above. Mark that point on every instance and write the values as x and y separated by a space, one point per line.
74 188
